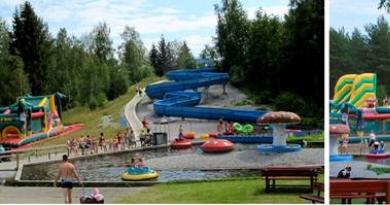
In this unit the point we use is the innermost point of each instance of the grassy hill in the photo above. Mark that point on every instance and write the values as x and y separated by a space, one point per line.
93 118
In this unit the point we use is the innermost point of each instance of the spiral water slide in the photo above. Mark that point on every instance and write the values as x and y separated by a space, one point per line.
178 97
355 89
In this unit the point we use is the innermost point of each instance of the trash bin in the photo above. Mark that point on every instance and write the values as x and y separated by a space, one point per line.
159 138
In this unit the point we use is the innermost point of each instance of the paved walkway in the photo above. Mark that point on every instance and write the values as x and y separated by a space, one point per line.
52 195
132 118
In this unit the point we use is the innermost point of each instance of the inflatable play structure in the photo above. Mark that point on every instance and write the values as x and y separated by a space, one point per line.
355 97
139 174
32 118
178 98
355 89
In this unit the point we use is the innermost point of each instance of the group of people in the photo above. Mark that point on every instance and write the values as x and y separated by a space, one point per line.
137 162
375 146
225 128
138 90
86 144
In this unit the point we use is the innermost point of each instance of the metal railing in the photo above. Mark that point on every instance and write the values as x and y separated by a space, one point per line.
11 160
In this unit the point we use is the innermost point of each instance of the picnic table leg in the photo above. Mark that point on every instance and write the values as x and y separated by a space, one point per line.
311 183
266 184
273 184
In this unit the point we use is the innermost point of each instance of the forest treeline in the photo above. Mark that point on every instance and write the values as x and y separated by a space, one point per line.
362 51
87 69
277 60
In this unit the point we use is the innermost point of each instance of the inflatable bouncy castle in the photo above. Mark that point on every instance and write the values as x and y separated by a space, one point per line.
31 118
355 103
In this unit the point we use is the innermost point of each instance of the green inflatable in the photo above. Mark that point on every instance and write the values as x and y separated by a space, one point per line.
243 129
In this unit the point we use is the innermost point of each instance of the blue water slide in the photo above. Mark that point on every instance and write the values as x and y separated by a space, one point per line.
178 98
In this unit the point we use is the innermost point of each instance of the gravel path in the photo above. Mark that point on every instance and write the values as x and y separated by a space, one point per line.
51 195
216 98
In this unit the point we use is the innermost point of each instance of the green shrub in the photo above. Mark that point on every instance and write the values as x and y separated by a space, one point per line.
237 74
92 103
289 102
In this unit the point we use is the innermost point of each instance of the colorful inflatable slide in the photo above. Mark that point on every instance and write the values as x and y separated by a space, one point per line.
32 118
355 89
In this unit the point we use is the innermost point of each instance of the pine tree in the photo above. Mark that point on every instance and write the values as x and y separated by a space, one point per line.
101 42
163 57
13 78
185 58
31 41
153 58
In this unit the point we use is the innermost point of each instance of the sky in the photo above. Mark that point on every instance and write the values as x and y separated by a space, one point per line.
352 14
191 20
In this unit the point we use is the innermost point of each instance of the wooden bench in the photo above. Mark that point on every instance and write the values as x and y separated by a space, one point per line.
290 173
370 190
315 197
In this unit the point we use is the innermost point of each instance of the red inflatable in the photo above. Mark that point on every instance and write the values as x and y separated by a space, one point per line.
377 156
376 116
189 135
213 134
217 145
181 144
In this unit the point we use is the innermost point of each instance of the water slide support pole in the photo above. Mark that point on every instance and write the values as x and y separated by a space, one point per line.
224 89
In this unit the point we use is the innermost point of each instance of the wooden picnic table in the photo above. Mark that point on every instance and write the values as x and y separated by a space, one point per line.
371 190
272 174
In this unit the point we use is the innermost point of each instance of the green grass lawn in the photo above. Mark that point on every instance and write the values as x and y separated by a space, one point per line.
92 118
234 191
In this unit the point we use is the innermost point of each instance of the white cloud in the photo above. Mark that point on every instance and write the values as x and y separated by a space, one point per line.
56 14
12 3
172 23
279 11
197 42
356 7
148 17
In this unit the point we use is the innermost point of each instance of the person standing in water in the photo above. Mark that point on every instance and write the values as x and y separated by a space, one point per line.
67 173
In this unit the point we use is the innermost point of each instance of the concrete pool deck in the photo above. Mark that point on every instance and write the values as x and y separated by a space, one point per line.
243 159
359 170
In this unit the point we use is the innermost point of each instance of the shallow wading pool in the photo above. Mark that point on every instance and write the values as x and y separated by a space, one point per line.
108 168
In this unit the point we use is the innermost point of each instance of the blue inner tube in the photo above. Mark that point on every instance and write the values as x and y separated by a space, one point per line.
340 158
268 148
379 151
140 170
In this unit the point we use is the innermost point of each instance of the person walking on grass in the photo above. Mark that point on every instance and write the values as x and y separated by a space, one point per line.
68 175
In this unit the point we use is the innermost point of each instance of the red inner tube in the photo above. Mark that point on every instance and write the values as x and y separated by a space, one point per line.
383 155
181 144
217 145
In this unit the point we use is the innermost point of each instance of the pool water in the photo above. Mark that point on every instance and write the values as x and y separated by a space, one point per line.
108 168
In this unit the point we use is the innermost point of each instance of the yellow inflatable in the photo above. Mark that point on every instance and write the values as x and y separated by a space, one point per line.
204 136
139 177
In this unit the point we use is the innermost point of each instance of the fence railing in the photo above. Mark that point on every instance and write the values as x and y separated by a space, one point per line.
13 158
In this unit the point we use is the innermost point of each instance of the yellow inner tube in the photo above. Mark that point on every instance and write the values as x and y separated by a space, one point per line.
138 177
